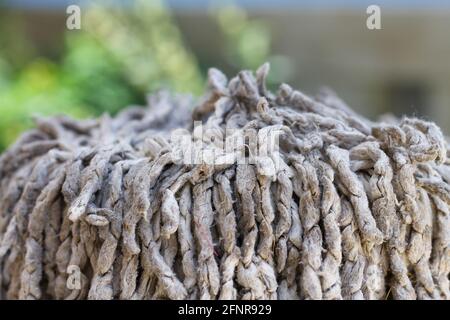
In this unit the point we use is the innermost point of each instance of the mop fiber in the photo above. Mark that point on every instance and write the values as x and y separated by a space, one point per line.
339 208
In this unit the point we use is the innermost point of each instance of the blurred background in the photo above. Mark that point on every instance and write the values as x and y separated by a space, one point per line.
126 49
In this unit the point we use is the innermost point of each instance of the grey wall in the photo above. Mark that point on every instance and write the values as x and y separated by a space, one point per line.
405 67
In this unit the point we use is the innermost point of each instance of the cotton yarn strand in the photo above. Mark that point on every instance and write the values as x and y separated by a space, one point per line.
345 208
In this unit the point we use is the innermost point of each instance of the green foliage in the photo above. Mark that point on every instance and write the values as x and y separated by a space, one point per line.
35 91
95 76
117 57
248 42
148 45
86 82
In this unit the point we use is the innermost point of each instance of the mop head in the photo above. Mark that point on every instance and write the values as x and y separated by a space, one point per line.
252 195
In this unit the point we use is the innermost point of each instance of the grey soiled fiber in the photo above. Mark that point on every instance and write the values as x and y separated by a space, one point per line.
353 210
